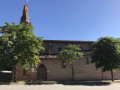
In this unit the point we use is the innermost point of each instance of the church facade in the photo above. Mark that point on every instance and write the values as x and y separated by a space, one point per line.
50 67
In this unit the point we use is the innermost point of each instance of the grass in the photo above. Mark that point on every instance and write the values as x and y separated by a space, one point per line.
40 82
4 83
85 83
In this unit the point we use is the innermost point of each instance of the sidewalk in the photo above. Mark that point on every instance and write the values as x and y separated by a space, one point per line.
113 86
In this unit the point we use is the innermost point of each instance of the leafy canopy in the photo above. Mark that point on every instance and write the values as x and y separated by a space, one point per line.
71 53
19 46
106 53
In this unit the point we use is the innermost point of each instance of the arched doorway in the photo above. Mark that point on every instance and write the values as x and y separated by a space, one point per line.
42 73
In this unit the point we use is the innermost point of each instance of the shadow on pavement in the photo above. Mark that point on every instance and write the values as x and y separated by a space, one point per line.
85 83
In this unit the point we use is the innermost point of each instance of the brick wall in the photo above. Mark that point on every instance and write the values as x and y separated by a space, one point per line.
56 72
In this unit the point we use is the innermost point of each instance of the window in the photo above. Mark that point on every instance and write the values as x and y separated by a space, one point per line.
81 49
87 61
50 48
90 47
50 44
69 44
59 49
24 72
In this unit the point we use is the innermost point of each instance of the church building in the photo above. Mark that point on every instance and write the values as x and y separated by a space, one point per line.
50 67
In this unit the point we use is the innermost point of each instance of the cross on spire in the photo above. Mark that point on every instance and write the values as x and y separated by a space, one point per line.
27 1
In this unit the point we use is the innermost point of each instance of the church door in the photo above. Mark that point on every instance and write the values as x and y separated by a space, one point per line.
42 73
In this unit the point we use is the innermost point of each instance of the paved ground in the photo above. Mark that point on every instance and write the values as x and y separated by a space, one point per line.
114 86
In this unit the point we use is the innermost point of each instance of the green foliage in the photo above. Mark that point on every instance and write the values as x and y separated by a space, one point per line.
19 46
106 53
71 53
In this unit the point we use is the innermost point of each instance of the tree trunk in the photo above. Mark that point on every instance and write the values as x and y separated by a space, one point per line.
72 72
14 73
102 75
112 77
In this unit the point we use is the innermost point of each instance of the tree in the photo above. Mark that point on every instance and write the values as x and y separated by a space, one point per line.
106 54
19 46
71 53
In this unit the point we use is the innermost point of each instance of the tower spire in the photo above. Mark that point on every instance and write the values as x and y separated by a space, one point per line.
25 16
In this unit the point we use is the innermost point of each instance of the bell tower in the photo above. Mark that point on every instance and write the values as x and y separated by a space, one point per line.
25 16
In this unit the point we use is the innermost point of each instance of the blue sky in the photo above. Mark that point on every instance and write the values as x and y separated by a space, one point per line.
85 20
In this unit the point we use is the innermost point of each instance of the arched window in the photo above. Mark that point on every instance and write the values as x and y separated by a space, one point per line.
59 49
87 61
50 44
90 47
69 43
